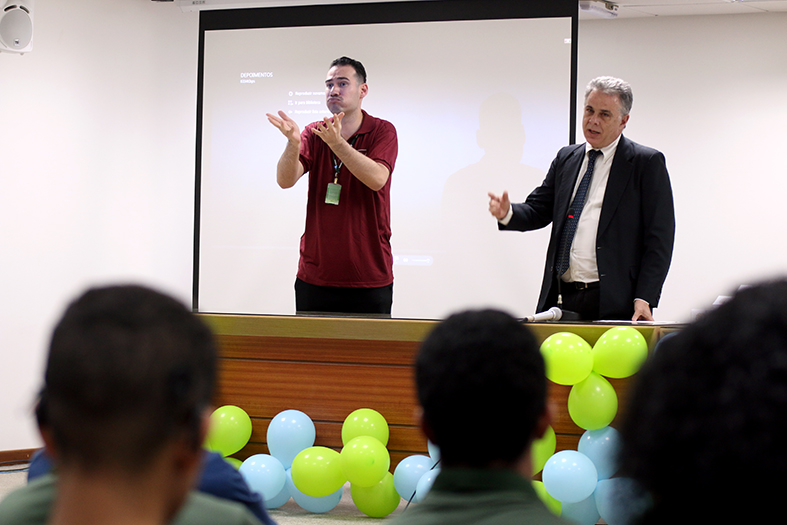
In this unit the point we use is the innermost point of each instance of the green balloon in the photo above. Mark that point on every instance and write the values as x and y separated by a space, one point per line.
317 471
230 430
542 449
235 462
592 403
365 422
568 358
376 501
365 461
551 503
619 352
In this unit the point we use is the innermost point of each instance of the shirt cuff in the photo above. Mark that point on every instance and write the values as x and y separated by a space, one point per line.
505 220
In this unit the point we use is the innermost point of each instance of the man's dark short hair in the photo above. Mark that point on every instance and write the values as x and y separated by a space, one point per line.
707 419
482 386
360 71
128 369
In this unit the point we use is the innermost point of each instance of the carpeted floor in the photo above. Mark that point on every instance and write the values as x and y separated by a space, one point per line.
290 513
11 477
345 512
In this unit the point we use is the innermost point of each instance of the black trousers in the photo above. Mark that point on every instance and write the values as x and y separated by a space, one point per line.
310 298
584 301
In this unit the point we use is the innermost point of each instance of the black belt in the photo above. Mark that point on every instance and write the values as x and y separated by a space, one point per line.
576 285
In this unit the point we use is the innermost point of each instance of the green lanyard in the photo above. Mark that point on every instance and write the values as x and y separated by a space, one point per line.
337 165
334 190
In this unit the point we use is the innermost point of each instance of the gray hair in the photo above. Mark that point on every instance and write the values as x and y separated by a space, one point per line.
614 87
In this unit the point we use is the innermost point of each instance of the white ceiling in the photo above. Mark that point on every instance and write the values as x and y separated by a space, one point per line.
648 8
626 8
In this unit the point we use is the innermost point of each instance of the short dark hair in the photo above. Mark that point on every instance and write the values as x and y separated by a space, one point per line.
128 369
480 368
710 406
360 71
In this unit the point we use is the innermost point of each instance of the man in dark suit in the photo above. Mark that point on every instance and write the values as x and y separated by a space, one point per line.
613 222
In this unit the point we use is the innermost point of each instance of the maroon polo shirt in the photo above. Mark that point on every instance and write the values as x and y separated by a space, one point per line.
349 244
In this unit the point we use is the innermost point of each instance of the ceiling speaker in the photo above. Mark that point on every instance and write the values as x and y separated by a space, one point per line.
16 26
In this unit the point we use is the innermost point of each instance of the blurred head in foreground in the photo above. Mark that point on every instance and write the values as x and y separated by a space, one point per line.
129 377
707 420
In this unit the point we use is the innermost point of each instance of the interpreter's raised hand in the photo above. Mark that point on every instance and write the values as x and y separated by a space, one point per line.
286 125
499 205
330 130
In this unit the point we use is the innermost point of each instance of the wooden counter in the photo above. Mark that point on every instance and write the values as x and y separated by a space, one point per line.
327 367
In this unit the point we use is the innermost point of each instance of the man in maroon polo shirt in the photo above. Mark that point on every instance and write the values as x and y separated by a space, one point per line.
346 263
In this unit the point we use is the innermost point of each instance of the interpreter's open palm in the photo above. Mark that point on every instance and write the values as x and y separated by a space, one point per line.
286 125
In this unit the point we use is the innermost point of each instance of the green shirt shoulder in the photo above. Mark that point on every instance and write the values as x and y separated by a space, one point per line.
30 505
462 496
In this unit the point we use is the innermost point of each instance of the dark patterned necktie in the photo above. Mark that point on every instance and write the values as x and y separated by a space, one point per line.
570 228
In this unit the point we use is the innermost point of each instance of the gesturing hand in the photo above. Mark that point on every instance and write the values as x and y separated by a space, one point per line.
330 131
499 206
286 125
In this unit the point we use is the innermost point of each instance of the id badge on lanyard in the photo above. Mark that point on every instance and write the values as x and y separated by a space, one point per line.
334 190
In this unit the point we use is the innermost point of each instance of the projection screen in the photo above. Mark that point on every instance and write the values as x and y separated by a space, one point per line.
482 95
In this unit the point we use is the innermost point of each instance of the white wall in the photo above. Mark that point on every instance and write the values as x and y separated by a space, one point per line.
711 93
97 130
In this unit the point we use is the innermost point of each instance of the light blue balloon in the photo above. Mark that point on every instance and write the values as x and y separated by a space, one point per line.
569 476
621 501
310 503
424 484
289 433
582 512
278 500
602 447
434 452
264 474
408 472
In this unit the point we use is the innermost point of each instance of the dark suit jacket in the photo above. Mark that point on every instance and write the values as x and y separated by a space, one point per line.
636 229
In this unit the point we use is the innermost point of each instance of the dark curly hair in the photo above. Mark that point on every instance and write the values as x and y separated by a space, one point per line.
128 368
482 386
706 428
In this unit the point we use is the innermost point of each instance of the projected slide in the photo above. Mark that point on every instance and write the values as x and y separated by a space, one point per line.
478 105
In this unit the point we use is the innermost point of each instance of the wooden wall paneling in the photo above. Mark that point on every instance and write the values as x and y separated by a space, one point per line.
19 456
323 391
303 349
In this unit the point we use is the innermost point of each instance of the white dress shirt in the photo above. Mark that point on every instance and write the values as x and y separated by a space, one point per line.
582 264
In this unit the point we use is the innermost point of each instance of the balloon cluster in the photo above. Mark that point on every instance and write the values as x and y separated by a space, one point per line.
314 476
414 475
320 472
579 484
